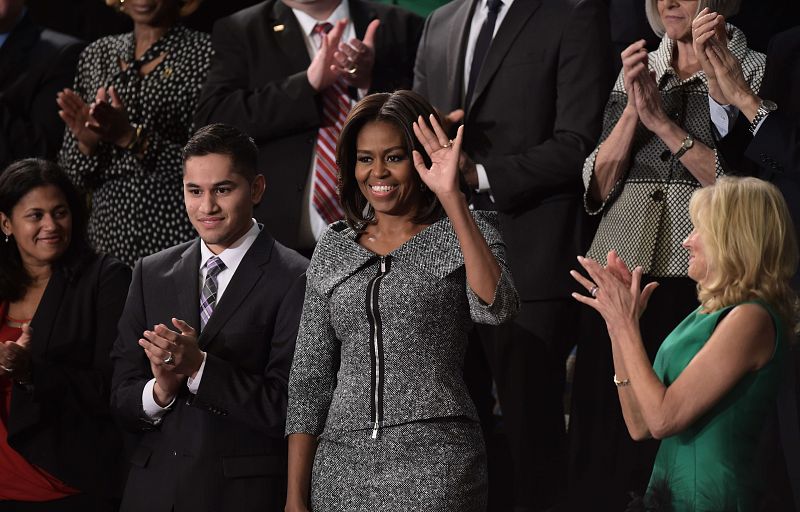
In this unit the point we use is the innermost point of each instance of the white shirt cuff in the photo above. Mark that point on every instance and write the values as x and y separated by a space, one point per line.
755 131
194 383
723 116
151 409
483 179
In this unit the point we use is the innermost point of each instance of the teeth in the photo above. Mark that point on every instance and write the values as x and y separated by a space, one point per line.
382 188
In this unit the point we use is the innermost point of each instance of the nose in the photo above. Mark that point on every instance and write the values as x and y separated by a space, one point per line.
49 222
379 169
208 203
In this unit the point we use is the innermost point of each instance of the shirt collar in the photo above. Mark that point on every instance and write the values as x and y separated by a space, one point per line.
307 23
233 255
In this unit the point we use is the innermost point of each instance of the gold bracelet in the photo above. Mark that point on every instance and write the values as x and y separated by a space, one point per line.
621 383
135 140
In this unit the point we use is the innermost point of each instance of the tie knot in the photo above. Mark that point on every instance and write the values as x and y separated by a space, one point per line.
214 266
494 5
323 28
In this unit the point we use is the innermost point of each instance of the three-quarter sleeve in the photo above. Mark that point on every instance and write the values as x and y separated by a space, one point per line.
611 115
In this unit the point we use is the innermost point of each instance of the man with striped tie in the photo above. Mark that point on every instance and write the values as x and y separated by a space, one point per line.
205 343
287 72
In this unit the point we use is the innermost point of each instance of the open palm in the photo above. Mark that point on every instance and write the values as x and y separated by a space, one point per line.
442 176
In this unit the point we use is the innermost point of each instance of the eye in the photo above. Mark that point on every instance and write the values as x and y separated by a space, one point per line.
35 216
396 157
364 159
221 191
193 192
60 214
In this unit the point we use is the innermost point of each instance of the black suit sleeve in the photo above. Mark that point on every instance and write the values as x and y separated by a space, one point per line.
131 366
33 128
776 144
257 400
266 111
582 76
420 63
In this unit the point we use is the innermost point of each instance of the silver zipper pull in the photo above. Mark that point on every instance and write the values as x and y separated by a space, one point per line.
383 265
375 431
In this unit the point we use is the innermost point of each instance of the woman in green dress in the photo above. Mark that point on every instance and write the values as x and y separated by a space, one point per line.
715 378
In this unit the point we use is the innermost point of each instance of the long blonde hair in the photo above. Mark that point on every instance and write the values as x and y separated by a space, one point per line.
750 243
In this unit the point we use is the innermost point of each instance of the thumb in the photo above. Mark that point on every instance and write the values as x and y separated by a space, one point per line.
101 95
369 36
25 339
644 299
186 329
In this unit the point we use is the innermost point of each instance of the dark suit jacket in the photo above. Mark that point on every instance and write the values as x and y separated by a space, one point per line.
223 448
258 83
535 115
63 423
34 65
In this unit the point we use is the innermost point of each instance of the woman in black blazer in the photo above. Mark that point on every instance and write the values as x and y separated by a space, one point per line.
59 306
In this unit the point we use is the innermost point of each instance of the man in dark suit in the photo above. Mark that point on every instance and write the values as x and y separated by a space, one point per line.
529 80
269 76
209 397
34 65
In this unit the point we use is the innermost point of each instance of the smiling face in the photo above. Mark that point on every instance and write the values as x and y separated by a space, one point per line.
154 13
219 201
698 258
384 172
677 16
41 224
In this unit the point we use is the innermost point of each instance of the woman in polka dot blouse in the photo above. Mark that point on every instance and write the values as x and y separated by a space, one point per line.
127 119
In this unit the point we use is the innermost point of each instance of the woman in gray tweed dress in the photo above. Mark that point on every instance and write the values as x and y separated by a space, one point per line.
379 416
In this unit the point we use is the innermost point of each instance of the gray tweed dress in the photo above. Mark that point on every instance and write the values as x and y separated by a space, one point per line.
377 372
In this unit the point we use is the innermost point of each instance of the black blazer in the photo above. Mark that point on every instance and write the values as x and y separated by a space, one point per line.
34 65
224 448
63 423
535 115
258 82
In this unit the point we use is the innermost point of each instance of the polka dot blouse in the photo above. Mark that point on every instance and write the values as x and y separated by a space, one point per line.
137 198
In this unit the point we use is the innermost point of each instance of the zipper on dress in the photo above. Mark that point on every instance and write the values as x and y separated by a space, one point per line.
376 345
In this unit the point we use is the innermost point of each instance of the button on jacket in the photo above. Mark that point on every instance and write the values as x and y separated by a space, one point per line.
382 338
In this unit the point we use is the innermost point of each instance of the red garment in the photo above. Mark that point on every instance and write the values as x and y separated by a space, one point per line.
19 479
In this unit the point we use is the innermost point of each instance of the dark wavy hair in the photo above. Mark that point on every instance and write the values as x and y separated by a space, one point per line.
401 109
16 181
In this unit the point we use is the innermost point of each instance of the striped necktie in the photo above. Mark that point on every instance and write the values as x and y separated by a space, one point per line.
335 106
208 297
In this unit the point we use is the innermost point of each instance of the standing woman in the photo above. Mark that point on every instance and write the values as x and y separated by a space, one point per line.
127 120
379 416
59 304
656 149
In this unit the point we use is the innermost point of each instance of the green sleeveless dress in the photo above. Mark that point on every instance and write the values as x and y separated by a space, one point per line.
711 466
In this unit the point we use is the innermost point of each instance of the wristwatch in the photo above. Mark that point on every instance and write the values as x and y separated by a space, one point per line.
764 108
686 145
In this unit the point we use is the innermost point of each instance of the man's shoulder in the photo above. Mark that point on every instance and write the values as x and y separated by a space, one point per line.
249 15
292 261
167 257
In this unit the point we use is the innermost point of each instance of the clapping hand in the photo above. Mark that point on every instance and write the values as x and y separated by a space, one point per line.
729 76
15 358
323 70
75 114
172 355
709 27
442 176
634 64
355 59
108 118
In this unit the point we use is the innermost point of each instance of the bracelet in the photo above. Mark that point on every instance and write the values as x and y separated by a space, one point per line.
136 141
621 383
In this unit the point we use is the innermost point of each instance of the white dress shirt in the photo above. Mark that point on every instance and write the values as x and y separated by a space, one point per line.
311 223
478 17
231 257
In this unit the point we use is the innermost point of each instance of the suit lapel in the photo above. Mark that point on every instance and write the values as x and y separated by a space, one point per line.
361 14
247 275
456 50
288 34
513 23
45 317
186 278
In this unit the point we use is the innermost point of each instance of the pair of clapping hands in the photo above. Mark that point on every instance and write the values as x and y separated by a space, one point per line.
173 356
105 119
15 359
351 61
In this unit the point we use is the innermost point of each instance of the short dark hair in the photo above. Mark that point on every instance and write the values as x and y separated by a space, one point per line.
401 109
17 180
224 139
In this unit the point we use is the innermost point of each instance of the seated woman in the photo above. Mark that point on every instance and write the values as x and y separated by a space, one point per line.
715 377
379 417
59 306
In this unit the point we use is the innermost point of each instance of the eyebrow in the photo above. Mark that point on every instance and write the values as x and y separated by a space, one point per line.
387 150
224 183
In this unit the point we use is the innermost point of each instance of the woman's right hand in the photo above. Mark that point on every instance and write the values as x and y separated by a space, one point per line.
75 114
708 25
634 63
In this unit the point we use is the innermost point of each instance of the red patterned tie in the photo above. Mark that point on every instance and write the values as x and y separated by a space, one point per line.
335 106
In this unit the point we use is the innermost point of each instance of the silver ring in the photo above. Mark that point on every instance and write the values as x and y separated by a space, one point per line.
593 291
352 71
170 359
7 369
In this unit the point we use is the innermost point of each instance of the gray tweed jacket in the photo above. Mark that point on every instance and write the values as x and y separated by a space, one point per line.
382 339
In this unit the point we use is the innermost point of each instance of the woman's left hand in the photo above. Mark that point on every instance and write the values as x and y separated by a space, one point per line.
110 119
619 303
648 103
442 176
15 356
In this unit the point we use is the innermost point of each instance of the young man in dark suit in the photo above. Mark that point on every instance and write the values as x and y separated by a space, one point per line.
528 79
205 343
271 75
35 64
